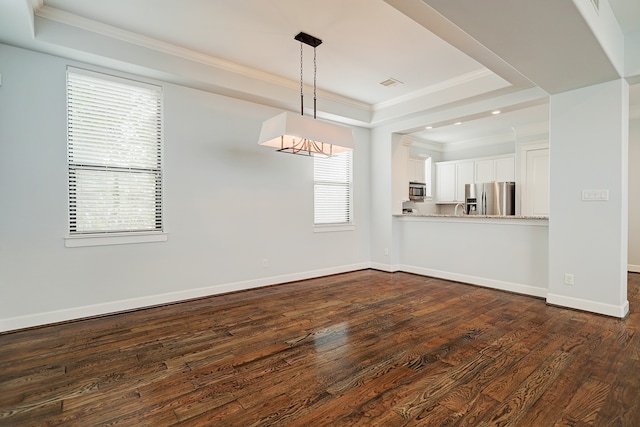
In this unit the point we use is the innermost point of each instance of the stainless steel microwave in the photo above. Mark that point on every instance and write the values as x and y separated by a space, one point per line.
417 191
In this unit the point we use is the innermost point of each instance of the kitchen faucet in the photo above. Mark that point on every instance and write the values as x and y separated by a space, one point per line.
455 210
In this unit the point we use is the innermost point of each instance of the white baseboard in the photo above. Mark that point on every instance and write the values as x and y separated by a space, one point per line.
480 281
633 268
40 319
592 306
389 268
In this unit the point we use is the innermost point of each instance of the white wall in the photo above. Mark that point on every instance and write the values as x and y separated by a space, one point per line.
634 195
382 250
505 254
228 204
588 140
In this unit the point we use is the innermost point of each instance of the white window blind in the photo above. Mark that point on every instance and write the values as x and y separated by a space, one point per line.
114 134
333 189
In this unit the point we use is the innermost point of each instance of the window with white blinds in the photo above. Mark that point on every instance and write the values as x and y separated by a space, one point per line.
333 189
114 148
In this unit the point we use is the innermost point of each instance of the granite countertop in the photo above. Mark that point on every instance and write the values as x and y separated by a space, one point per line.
472 216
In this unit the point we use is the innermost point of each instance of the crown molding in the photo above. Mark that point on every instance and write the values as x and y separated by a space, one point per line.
428 145
446 84
33 6
497 139
532 130
66 18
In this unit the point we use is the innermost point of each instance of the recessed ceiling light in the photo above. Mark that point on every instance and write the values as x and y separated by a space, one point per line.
429 127
496 112
457 123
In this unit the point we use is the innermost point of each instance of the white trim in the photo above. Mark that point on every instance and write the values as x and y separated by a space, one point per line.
593 306
447 84
534 145
33 6
633 268
76 21
389 268
330 228
118 79
488 141
75 313
534 291
423 143
82 240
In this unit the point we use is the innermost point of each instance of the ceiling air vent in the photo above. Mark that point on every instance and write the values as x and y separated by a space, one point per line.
391 82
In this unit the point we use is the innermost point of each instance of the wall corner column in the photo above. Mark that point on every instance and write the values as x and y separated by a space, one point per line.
588 235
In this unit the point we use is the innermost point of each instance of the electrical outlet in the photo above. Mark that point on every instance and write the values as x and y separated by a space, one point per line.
386 251
265 263
568 279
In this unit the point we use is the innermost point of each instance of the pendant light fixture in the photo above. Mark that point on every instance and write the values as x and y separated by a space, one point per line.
297 134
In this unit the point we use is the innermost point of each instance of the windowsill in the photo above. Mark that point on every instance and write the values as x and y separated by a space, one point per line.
329 228
77 241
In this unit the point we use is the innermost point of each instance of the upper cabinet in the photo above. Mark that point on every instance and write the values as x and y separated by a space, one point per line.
445 182
495 169
485 171
416 170
505 169
464 176
451 177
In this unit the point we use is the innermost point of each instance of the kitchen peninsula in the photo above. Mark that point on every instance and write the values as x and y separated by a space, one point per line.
506 252
501 252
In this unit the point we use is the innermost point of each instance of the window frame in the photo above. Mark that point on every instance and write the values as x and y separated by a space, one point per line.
107 236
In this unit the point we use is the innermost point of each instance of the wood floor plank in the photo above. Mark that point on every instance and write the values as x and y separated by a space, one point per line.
454 379
513 409
586 403
365 348
458 399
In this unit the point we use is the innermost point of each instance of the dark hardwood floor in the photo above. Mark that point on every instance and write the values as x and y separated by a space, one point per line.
363 348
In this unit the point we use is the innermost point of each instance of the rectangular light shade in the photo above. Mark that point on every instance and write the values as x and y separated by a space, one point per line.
297 126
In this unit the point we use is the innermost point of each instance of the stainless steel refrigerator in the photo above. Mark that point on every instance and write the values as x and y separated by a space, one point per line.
490 198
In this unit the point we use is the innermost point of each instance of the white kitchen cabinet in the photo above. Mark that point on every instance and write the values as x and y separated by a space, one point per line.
485 171
451 178
495 169
445 182
505 169
464 175
416 170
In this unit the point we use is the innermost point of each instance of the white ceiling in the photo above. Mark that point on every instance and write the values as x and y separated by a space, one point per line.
364 43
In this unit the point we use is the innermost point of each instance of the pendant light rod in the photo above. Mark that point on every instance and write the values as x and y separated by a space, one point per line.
314 42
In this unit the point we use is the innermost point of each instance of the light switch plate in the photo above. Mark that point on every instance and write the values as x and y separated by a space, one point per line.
595 195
